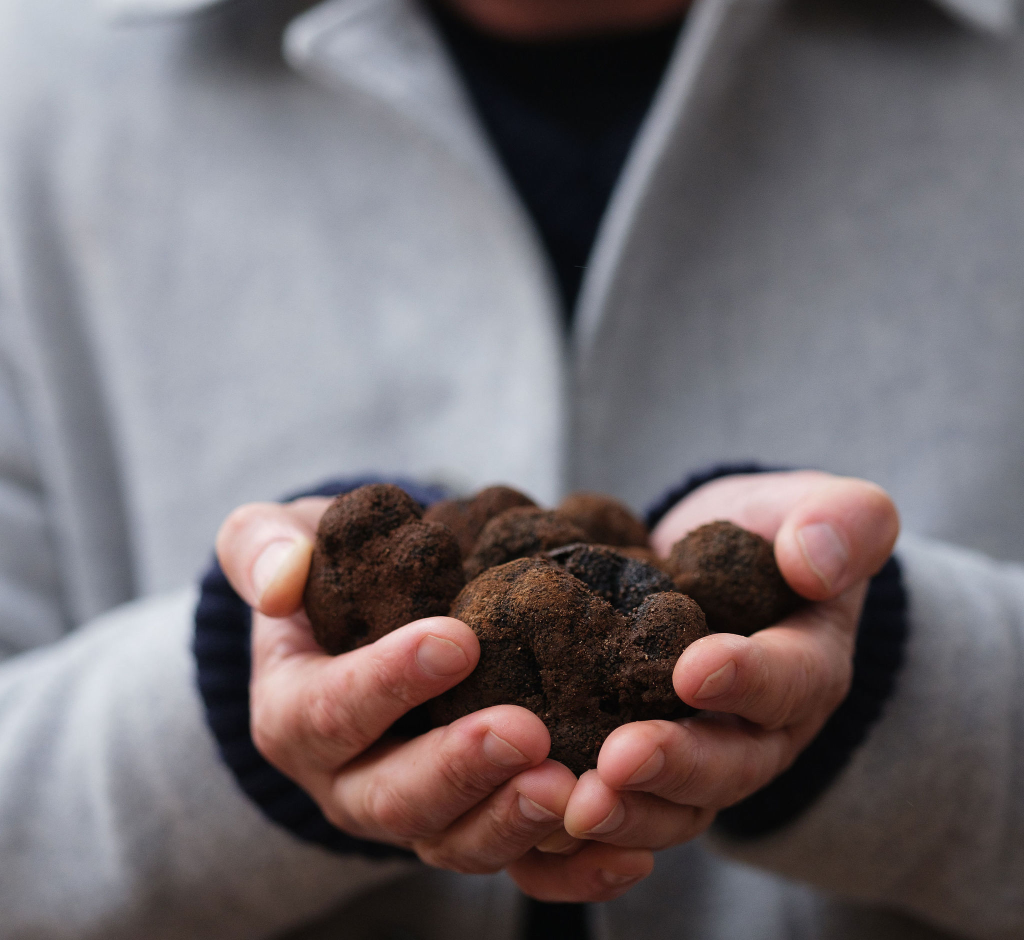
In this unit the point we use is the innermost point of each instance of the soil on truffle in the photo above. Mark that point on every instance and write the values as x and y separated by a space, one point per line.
519 533
377 566
605 520
467 517
551 644
732 574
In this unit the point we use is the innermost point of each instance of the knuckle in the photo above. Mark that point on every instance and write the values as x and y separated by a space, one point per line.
390 810
337 816
234 523
749 773
506 827
268 735
334 717
838 682
699 821
779 696
386 683
440 854
686 770
269 745
463 777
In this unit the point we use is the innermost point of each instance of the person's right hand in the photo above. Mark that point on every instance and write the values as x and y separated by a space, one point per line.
473 796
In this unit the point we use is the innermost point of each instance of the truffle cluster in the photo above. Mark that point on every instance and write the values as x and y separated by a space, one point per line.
577 619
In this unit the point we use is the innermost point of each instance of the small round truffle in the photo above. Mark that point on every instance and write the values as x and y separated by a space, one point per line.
732 574
605 520
467 517
518 533
660 629
552 645
377 566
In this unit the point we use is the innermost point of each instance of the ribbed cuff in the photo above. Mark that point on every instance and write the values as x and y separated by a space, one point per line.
878 656
221 646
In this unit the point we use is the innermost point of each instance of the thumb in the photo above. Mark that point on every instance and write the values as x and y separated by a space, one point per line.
264 550
840 533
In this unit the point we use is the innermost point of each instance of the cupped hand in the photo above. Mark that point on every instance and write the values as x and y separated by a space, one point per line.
474 796
764 697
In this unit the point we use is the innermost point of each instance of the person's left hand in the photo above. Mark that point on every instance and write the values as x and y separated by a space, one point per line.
660 783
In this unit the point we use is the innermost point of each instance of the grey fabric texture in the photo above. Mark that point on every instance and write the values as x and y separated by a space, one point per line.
228 272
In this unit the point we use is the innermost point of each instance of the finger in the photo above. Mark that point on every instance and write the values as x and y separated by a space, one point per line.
313 713
264 550
785 675
415 791
709 761
596 873
839 533
631 820
758 502
560 843
500 829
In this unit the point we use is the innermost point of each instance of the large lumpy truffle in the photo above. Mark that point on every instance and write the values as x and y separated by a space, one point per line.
605 520
467 517
732 574
518 533
551 644
377 566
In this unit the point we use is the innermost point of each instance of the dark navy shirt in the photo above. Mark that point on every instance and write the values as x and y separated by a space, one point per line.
562 115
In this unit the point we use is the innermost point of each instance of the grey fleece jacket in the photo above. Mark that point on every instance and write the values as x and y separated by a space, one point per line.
225 276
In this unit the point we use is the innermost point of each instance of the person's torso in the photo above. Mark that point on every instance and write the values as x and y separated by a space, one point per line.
224 279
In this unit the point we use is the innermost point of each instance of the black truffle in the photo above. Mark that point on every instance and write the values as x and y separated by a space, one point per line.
605 520
518 533
467 517
732 574
551 644
377 566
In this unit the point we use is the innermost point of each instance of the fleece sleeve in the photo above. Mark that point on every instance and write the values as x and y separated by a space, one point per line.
118 818
927 816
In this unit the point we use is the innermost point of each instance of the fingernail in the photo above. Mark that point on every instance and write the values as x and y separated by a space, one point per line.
559 843
270 562
719 682
649 769
535 812
824 551
440 657
611 822
614 880
500 753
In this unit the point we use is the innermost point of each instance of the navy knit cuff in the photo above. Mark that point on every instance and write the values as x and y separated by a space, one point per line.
223 663
878 656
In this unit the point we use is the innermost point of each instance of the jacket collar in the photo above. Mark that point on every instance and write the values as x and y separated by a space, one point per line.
996 16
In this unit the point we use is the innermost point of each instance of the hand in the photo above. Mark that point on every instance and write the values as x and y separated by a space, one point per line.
660 783
471 797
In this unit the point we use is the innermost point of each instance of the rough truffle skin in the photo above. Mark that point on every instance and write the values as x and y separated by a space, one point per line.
467 517
377 566
605 520
518 533
550 644
732 574
621 580
660 629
